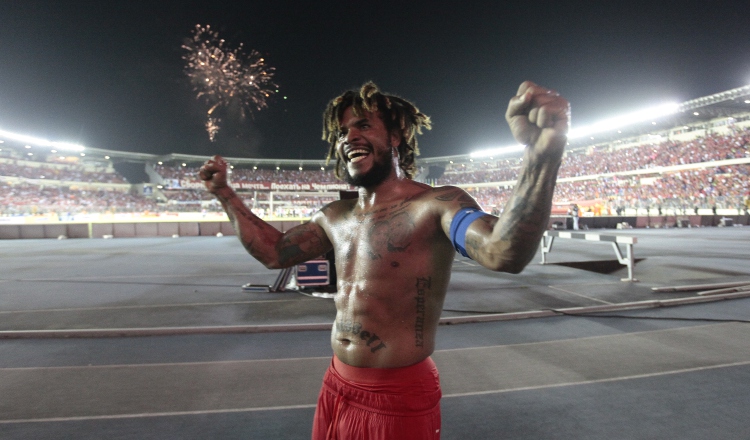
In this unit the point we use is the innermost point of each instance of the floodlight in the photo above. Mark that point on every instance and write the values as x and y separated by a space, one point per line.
41 142
624 120
497 151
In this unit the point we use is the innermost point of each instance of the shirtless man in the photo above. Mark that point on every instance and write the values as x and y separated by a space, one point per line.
394 246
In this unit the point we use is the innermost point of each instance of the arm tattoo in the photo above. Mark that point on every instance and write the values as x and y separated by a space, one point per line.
473 242
239 208
529 208
299 244
464 200
524 218
448 197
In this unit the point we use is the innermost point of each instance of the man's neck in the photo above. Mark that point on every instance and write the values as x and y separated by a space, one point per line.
385 191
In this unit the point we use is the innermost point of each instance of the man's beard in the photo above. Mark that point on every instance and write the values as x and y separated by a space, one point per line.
381 169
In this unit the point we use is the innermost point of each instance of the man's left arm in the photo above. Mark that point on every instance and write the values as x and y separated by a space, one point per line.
539 118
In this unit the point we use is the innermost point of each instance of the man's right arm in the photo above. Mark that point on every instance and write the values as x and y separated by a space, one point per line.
264 242
539 118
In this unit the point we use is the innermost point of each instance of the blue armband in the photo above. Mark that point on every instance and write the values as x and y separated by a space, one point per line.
461 221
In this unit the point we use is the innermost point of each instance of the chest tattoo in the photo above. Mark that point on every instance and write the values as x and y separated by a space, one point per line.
393 234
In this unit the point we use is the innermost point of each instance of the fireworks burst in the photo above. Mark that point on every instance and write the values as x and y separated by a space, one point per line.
212 127
222 76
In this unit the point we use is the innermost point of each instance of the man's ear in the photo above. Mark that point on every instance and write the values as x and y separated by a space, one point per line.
395 138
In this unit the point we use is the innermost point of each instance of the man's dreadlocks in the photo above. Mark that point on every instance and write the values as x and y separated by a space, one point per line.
397 114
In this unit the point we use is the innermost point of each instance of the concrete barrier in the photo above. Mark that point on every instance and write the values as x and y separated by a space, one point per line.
123 230
188 229
79 230
10 232
32 231
168 229
209 228
98 230
146 229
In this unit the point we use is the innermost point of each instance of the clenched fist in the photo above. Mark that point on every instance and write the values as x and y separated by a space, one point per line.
540 118
214 174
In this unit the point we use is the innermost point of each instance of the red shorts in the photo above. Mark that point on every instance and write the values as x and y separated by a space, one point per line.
379 403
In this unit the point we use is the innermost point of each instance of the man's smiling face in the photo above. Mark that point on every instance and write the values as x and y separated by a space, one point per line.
366 147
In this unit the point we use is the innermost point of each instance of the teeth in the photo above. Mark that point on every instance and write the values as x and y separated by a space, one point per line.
357 154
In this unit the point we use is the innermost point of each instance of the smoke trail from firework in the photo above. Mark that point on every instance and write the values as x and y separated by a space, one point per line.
221 75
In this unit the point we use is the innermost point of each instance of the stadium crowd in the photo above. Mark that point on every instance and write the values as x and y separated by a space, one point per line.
32 199
684 191
708 186
670 153
68 172
249 175
605 160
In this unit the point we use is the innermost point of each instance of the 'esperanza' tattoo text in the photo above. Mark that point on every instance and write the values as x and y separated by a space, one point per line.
423 285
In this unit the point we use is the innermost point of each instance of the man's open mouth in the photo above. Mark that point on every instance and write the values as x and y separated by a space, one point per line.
357 154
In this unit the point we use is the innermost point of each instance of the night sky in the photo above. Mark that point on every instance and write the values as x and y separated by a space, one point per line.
109 74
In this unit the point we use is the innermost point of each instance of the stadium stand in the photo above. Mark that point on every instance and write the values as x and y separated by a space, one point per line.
688 167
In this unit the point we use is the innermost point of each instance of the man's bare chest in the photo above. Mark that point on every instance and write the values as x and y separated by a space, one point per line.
387 233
